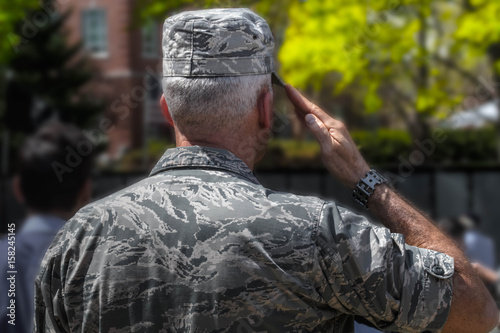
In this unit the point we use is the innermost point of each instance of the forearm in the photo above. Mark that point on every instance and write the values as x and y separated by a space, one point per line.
401 217
472 307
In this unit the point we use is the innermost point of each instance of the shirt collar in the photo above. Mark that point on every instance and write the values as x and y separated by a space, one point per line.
197 157
42 223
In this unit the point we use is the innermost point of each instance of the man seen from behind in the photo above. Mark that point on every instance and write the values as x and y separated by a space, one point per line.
201 246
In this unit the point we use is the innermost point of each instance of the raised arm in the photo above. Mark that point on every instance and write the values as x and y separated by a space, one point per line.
472 308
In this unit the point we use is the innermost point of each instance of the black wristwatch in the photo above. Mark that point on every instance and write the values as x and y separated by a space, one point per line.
366 186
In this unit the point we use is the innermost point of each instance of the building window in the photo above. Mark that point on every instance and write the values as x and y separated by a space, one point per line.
95 31
150 40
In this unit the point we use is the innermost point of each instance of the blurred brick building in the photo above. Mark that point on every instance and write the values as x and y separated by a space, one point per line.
127 60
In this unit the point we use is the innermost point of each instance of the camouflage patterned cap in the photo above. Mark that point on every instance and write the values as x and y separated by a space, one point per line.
218 42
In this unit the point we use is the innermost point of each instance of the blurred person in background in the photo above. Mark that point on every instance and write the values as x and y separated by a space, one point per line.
479 247
481 250
491 279
200 245
53 182
452 227
361 328
458 228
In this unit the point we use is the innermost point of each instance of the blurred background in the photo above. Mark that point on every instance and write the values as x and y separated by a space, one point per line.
416 82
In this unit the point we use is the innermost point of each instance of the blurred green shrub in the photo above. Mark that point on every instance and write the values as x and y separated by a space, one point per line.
467 147
291 154
383 146
142 160
463 147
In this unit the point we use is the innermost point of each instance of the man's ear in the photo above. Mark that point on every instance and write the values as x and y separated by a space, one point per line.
164 109
265 108
16 188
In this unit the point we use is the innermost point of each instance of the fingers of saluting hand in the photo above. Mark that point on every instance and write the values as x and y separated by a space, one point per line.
303 106
327 124
328 138
320 131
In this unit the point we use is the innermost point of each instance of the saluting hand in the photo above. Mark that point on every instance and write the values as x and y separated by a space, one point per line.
339 153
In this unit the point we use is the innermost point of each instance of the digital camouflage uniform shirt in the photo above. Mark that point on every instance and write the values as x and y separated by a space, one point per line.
201 246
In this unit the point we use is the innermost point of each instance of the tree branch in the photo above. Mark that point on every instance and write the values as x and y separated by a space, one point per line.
452 65
402 96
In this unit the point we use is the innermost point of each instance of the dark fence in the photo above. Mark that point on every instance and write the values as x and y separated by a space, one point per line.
438 192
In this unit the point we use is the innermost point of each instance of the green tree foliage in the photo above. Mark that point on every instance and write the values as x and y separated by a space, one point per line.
48 72
11 13
275 12
54 73
43 78
479 31
404 55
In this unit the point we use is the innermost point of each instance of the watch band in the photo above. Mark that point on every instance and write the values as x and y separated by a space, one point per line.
366 186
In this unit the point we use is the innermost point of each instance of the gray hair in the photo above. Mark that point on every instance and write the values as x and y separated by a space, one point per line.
211 104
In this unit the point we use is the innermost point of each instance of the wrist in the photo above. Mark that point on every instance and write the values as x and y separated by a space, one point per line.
380 196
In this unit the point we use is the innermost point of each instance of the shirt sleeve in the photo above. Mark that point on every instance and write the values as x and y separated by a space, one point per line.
367 271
